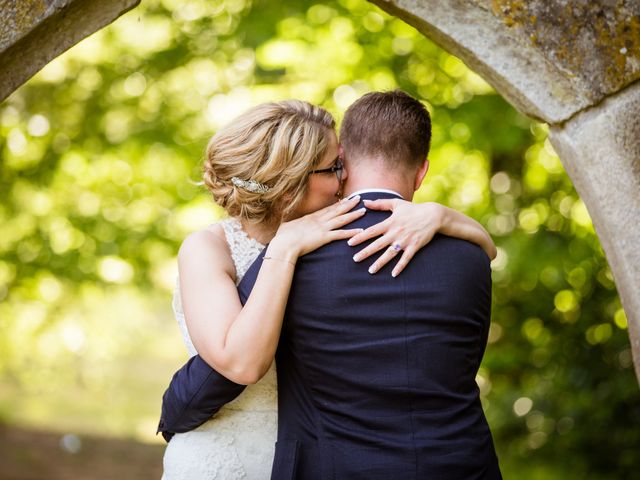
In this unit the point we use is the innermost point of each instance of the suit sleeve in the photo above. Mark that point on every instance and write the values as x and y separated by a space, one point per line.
195 394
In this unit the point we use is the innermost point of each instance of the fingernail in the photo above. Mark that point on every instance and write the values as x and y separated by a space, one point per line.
362 209
372 269
356 258
350 243
357 197
394 274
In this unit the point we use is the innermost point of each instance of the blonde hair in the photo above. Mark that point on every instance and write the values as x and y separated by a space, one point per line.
276 144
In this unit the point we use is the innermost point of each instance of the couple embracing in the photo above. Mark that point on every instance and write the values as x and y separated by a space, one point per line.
375 363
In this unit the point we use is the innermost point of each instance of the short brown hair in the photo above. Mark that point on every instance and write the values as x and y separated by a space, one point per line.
276 144
393 126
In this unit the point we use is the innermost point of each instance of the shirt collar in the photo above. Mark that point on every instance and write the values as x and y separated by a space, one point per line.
375 190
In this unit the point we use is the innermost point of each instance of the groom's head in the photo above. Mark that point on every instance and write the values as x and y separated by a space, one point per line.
384 135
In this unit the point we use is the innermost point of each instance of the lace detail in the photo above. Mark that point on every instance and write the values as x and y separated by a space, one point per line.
176 304
239 442
232 445
244 249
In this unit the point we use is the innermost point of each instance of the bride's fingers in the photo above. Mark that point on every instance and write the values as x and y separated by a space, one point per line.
382 204
371 232
389 254
339 208
407 255
343 234
377 245
346 218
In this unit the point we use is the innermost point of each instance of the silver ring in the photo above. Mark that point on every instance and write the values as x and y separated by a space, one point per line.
396 247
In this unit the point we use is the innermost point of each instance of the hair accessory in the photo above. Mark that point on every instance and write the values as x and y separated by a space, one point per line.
250 185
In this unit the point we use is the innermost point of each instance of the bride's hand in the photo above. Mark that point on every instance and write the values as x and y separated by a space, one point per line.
305 234
409 228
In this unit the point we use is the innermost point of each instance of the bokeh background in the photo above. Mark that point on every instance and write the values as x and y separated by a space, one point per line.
100 159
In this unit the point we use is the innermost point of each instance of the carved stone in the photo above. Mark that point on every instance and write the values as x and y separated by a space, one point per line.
33 32
549 58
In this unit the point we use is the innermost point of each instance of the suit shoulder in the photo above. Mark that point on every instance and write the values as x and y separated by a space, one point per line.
457 248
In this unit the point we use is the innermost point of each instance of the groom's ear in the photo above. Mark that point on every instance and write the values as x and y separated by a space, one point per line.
420 174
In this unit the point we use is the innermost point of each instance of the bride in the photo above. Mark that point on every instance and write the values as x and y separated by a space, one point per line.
276 170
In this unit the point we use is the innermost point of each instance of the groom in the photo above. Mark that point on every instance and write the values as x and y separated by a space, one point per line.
376 375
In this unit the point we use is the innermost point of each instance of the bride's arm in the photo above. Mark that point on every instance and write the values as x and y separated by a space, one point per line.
240 342
411 226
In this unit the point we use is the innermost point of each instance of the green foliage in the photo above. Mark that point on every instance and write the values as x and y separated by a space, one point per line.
100 159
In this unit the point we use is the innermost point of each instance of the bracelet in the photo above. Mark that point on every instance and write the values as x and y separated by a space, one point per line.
279 259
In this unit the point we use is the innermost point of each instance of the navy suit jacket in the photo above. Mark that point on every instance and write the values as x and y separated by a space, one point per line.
376 375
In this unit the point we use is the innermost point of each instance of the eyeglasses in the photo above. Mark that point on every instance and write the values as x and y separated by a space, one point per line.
337 168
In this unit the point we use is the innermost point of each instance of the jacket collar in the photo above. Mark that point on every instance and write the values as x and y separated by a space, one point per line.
374 191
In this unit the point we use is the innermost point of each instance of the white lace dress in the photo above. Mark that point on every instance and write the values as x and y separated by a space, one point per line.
238 442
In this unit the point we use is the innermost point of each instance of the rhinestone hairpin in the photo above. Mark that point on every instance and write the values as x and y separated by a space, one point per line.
250 185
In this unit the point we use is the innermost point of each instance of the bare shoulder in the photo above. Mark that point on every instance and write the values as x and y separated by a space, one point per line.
207 247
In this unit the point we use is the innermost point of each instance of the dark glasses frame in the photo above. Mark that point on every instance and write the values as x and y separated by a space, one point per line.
337 169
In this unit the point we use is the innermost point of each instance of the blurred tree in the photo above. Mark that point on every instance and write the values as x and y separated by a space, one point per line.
101 154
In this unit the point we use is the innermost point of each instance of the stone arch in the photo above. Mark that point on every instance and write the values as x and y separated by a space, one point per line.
34 32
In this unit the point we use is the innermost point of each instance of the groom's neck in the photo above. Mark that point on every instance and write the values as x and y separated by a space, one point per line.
365 175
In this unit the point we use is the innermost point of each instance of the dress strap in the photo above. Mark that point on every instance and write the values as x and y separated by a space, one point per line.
244 249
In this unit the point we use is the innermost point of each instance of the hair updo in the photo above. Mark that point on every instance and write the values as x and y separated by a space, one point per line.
276 144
